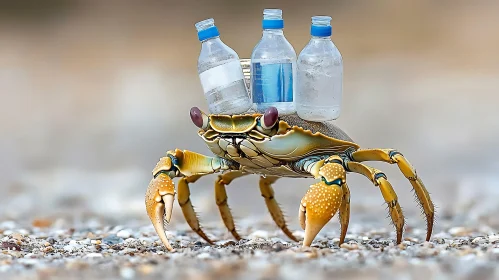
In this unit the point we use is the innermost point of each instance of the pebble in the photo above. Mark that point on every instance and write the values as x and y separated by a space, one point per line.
115 252
493 238
112 239
123 234
479 240
17 236
70 248
259 234
10 246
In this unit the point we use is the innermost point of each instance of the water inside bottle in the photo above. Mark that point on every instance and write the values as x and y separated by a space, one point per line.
230 99
272 84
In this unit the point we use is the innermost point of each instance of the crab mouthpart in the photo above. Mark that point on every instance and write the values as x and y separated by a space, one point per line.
159 204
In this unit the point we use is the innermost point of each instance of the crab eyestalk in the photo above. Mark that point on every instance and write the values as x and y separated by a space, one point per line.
159 199
199 118
269 118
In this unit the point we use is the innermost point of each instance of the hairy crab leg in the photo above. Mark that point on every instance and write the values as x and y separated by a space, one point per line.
322 200
221 199
344 213
185 203
392 157
379 179
272 205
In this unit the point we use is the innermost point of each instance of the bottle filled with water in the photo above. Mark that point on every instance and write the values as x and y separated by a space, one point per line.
273 67
319 75
220 73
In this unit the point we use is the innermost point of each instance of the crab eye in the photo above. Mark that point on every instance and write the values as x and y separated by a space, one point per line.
198 118
270 117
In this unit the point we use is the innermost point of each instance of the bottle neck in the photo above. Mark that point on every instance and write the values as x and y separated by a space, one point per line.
321 38
211 40
272 33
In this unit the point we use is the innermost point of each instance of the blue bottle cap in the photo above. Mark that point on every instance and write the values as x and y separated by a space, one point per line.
272 24
207 29
208 33
321 26
320 31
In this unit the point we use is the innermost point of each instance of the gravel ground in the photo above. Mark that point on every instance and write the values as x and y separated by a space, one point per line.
46 250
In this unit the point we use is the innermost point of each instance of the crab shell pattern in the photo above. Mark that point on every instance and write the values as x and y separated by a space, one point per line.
274 146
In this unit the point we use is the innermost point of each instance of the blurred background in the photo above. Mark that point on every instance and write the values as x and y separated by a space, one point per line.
93 93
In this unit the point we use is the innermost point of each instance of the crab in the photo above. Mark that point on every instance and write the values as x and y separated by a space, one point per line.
273 147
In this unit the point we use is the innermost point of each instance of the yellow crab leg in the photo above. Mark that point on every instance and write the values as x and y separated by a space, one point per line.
392 156
344 214
379 179
322 200
186 205
273 206
221 199
189 163
161 191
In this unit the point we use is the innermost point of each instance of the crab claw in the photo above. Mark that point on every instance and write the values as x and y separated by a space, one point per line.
159 204
321 202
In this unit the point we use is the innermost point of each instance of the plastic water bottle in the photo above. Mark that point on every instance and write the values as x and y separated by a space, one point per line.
273 67
319 75
220 73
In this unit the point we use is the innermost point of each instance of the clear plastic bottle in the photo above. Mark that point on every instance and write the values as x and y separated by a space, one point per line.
220 73
273 67
319 75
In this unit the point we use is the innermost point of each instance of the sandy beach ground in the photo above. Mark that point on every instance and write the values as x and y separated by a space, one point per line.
95 251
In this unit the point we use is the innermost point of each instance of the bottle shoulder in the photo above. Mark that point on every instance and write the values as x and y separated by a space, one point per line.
273 47
215 53
320 50
321 46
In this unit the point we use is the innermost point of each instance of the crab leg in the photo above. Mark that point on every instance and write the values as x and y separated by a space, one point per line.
159 203
185 203
221 199
344 214
273 206
161 191
392 156
322 200
379 179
